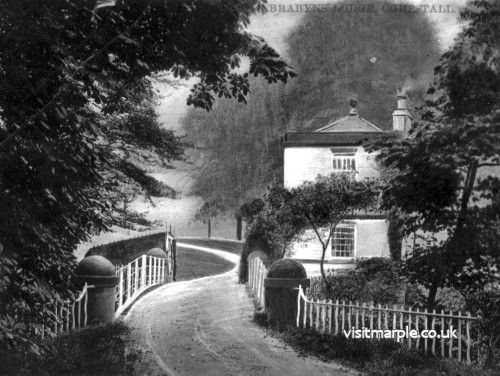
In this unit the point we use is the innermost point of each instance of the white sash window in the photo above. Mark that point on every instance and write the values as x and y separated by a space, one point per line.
343 240
344 163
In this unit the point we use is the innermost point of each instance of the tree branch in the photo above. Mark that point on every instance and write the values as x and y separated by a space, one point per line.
315 230
488 165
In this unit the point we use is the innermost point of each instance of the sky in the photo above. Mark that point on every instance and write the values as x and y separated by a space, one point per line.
275 25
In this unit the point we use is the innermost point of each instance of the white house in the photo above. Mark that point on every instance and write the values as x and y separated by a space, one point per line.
338 147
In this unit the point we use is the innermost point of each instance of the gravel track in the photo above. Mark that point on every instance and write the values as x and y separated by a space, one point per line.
204 327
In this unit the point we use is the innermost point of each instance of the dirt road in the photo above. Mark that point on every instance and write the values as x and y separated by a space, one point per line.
205 327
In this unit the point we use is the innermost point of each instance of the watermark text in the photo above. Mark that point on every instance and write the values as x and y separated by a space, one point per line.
400 334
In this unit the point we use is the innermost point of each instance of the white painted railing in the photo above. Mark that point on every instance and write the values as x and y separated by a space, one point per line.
328 317
257 272
136 277
67 315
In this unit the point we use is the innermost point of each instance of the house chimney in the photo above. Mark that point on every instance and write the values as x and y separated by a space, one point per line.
354 104
401 118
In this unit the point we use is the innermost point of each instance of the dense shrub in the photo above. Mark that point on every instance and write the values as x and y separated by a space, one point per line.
101 350
486 305
268 228
376 280
450 299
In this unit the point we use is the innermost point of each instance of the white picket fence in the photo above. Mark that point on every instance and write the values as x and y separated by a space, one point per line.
257 272
136 277
328 317
67 315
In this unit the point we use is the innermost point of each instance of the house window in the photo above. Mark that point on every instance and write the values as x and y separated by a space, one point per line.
343 240
344 163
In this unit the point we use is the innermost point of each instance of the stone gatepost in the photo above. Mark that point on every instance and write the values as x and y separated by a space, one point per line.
281 292
99 273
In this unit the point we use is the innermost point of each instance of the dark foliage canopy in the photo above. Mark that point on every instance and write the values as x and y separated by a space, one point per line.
446 182
76 112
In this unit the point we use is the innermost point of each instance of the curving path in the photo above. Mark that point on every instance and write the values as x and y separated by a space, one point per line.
204 327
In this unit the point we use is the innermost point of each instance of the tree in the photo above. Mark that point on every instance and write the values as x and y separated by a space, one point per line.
331 52
72 121
207 212
269 226
357 49
325 203
447 171
281 217
240 167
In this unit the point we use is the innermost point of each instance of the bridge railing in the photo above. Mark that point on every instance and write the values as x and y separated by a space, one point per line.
136 277
133 279
66 315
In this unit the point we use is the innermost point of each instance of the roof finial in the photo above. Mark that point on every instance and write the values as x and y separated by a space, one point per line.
354 103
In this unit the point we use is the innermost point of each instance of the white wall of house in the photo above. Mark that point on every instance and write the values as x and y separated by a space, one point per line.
305 163
374 241
370 240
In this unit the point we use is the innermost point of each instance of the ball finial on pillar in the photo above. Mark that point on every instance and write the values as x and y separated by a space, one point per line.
157 252
99 274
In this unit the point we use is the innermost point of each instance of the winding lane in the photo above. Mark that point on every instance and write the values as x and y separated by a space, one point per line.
204 327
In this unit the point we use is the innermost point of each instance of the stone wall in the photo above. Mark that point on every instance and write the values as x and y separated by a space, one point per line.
124 251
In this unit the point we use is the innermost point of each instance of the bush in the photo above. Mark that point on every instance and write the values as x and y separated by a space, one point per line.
450 299
486 304
100 350
374 280
268 228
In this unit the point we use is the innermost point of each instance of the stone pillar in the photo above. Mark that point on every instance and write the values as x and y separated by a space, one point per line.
283 279
99 273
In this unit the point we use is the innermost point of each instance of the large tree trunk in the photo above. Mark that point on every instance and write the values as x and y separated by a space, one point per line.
239 226
209 223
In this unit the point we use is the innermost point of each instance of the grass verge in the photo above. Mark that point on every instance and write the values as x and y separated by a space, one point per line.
374 358
100 350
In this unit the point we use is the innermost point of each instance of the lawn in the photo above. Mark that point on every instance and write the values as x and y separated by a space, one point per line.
193 264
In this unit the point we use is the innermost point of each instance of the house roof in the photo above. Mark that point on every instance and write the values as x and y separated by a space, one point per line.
349 130
350 123
329 138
